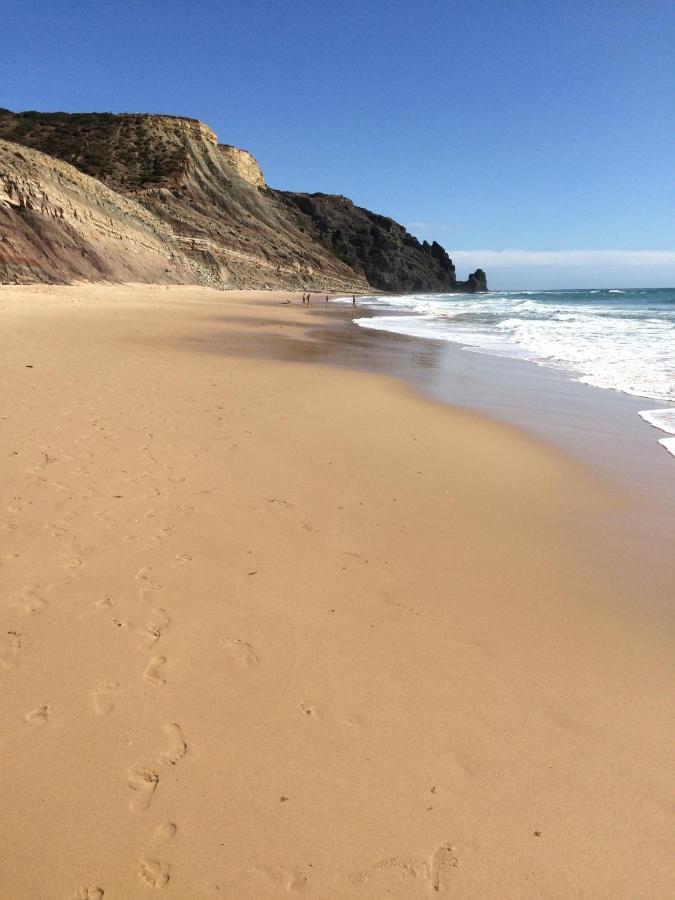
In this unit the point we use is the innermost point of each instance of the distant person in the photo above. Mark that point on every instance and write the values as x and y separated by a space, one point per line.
353 299
307 299
326 298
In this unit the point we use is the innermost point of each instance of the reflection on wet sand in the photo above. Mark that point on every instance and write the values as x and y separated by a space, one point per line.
330 338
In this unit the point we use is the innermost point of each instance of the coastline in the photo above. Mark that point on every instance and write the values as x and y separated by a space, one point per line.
347 640
574 366
603 430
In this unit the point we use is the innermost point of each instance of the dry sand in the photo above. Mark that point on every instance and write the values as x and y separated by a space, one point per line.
272 628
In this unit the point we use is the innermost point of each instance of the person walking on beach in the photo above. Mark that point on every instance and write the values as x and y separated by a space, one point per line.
326 299
307 299
353 299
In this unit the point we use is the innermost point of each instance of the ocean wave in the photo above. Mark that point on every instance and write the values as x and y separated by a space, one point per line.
620 343
663 419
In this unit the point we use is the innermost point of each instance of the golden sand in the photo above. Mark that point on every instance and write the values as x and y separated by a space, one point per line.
272 628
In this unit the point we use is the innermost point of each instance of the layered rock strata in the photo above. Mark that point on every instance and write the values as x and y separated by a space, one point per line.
205 204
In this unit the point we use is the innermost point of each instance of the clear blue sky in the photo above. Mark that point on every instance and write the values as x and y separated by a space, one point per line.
485 124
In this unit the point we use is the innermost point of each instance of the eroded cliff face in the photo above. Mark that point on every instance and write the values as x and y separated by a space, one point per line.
209 203
243 163
205 198
57 225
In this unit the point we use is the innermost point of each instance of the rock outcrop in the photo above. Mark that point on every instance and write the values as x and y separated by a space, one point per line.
477 281
378 248
206 203
245 165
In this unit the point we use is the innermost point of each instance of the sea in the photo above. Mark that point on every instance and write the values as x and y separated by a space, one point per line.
614 339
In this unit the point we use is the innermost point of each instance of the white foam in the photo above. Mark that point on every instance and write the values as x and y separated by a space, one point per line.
429 326
668 444
663 419
627 348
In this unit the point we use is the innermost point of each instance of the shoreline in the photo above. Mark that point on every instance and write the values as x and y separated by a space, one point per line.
273 626
515 385
601 429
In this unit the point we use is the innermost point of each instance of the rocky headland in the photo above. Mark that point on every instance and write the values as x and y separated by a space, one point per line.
154 198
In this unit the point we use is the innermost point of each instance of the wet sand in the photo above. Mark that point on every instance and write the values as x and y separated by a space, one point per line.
274 627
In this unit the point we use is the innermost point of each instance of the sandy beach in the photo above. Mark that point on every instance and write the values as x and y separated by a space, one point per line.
271 627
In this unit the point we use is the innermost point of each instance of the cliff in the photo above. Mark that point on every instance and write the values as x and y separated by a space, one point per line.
59 225
207 203
378 248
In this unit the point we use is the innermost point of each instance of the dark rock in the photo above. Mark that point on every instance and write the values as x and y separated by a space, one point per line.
476 282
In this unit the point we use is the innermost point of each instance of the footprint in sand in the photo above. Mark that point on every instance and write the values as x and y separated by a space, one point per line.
290 879
31 597
143 578
178 747
241 653
182 559
146 449
163 834
434 871
103 697
442 860
281 502
158 538
143 782
154 672
154 873
119 623
155 628
73 563
87 893
10 650
40 715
